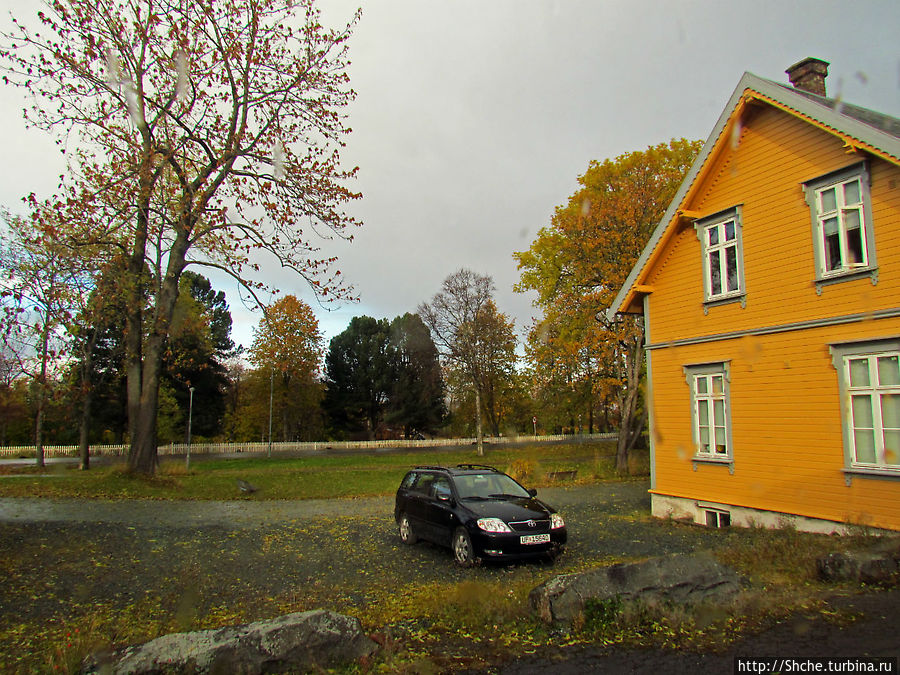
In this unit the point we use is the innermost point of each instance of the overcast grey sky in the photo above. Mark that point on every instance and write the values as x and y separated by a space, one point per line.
474 119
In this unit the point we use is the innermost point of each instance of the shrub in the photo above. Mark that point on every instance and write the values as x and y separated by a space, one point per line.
523 470
599 615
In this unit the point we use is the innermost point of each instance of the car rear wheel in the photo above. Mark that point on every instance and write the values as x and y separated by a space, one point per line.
463 552
407 536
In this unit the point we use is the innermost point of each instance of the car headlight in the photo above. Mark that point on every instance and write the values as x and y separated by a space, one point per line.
556 521
493 525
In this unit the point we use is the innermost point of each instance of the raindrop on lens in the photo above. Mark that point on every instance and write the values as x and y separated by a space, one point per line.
112 68
278 159
181 82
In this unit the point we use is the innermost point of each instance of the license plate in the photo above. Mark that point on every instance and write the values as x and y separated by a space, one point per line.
534 539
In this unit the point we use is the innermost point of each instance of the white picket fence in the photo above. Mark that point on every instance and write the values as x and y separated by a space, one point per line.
28 451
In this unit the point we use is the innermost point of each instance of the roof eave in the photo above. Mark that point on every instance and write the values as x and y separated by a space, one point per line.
854 132
625 300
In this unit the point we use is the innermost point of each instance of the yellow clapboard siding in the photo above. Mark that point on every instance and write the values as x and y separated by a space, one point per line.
786 423
777 238
788 450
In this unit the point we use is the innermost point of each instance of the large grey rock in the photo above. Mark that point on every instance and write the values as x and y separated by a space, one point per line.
291 643
688 579
880 565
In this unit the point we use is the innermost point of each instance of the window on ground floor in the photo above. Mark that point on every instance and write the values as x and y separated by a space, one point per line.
718 518
710 410
869 375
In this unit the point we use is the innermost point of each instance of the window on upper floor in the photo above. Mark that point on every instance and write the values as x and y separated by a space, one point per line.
723 264
842 224
869 377
710 411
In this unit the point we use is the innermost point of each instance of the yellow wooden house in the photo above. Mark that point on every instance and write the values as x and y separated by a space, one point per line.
770 292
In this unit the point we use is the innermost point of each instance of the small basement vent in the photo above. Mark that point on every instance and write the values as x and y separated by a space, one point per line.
718 518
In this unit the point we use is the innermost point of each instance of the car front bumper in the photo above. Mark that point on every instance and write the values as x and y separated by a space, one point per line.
505 545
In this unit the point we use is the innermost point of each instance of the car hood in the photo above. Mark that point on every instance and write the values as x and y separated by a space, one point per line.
510 510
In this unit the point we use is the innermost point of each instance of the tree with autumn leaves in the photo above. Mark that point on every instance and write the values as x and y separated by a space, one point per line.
201 133
577 265
41 287
288 348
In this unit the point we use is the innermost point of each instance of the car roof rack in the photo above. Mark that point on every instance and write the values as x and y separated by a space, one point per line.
433 468
475 466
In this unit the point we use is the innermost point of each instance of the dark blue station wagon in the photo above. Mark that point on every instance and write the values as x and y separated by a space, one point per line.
479 512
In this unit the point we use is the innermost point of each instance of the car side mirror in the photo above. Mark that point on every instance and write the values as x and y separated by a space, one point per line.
532 492
444 497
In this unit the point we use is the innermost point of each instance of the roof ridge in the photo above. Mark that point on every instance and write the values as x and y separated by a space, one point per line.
876 119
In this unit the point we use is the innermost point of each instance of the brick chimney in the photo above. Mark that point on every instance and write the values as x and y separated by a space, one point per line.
809 75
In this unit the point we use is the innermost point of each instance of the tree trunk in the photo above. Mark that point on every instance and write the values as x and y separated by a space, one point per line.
142 456
87 392
133 361
84 448
41 396
631 424
590 400
134 342
371 420
141 419
606 412
479 433
491 409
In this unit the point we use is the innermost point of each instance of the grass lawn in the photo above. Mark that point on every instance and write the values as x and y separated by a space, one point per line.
311 477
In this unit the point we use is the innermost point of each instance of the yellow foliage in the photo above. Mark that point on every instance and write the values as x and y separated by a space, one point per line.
523 470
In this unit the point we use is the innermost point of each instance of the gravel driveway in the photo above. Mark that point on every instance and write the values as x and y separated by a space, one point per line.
270 546
64 559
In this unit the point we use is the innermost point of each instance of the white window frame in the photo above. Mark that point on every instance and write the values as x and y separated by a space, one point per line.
706 399
715 243
852 394
717 518
835 221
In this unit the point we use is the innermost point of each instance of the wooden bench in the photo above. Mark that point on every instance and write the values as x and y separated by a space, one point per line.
562 475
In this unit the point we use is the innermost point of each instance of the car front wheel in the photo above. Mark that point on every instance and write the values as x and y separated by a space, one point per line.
555 552
407 536
463 552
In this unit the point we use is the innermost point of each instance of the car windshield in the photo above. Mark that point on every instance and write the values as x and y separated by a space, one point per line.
489 486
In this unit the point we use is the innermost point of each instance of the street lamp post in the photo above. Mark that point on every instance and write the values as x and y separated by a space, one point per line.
271 389
190 416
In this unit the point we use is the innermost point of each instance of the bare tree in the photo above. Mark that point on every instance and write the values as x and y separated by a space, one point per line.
205 132
456 317
497 356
